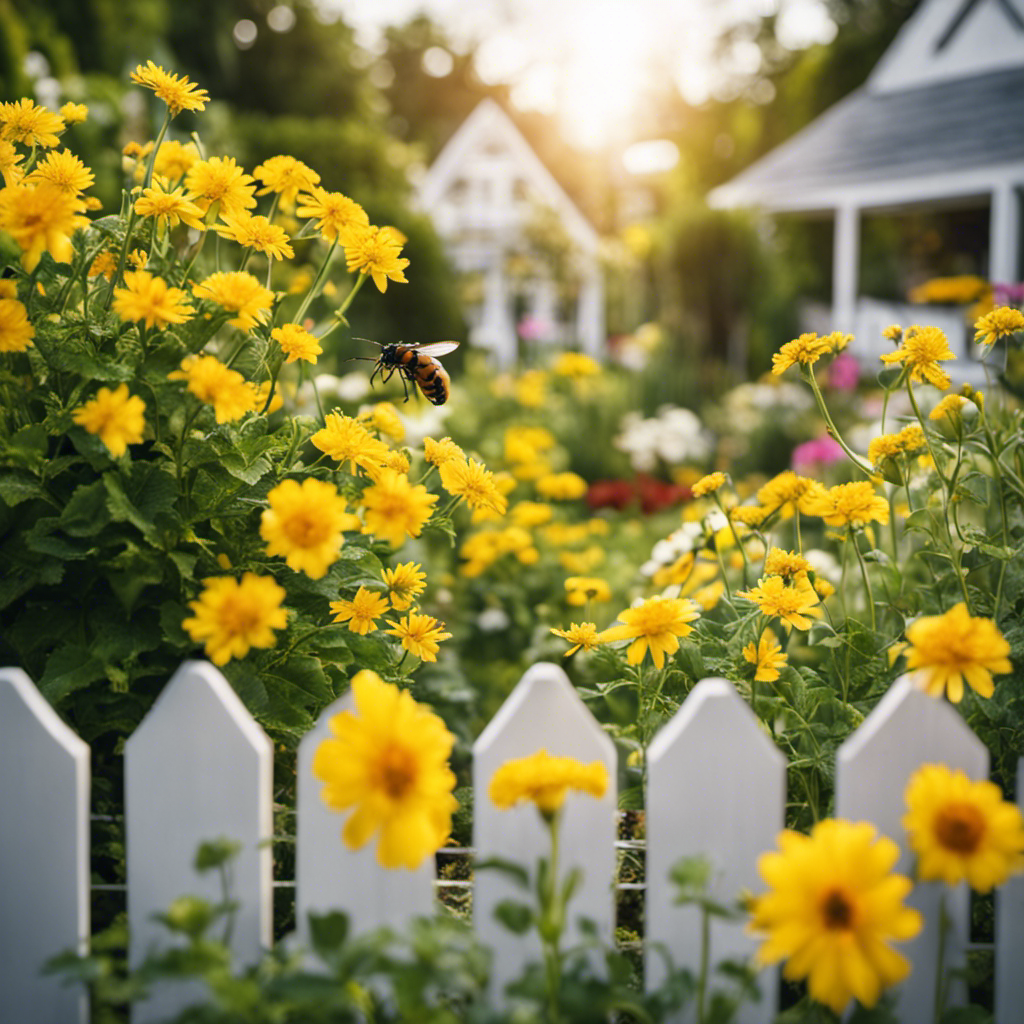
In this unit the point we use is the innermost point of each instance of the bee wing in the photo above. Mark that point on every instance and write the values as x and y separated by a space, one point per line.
437 348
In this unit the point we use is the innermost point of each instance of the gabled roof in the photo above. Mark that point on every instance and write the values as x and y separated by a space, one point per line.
487 123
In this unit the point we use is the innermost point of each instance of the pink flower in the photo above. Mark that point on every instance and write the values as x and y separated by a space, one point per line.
844 372
811 457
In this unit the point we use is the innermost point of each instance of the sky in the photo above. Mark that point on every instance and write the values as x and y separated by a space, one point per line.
589 62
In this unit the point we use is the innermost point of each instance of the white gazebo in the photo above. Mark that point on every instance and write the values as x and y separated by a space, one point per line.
938 124
482 192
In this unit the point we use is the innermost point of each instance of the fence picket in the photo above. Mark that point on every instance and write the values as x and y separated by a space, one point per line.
198 768
905 730
329 876
1009 995
44 854
716 786
543 711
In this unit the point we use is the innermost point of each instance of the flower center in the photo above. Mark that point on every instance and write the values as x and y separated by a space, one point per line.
959 827
305 530
837 911
396 771
240 618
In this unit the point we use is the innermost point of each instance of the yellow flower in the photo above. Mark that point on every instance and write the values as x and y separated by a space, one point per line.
575 365
138 258
655 626
796 605
305 523
175 90
786 491
788 564
893 333
173 160
220 182
531 389
287 177
345 439
336 216
116 416
707 597
891 446
64 171
395 509
855 504
823 588
9 160
921 350
231 616
767 656
581 589
831 910
375 251
582 561
256 233
239 293
583 635
749 515
297 343
405 583
22 121
545 780
74 113
388 760
16 332
217 385
398 461
40 219
561 486
420 635
149 299
805 350
961 829
362 612
474 483
947 649
440 452
105 263
385 419
169 207
529 514
708 484
1000 323
950 406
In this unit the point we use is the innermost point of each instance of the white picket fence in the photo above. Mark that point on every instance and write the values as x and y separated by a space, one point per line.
199 768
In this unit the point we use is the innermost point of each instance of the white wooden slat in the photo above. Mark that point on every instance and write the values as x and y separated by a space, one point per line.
716 786
905 730
44 854
198 768
1009 995
544 711
330 876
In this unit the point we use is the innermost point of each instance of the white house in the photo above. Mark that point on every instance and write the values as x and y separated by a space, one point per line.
482 192
939 124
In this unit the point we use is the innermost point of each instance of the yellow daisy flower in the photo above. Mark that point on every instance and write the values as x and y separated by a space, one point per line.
336 216
1000 323
117 417
375 251
575 365
345 439
149 299
385 419
220 182
63 170
766 656
74 113
562 486
256 233
287 177
395 508
655 626
175 90
168 206
214 383
9 160
805 350
788 564
239 293
173 160
40 218
581 589
473 483
22 121
405 583
855 505
921 350
708 484
797 604
16 331
420 635
362 612
297 343
583 635
545 781
440 452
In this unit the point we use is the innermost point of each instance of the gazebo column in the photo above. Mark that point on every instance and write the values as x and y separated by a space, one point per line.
845 267
1004 234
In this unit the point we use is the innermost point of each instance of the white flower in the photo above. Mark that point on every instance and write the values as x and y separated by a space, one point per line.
824 564
492 620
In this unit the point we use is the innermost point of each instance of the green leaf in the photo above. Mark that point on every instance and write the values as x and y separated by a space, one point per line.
515 871
216 852
15 489
516 917
328 932
86 513
371 652
69 668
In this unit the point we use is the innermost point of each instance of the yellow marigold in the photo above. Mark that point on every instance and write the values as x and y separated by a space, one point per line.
796 604
708 484
336 216
168 206
405 583
105 264
579 636
220 182
74 113
788 564
345 439
440 452
375 251
217 385
469 480
362 612
420 635
786 492
1000 323
529 514
949 648
921 350
256 233
823 588
891 446
575 365
581 589
397 460
958 290
832 907
561 486
287 177
173 160
545 781
387 761
855 505
22 121
707 597
951 407
582 561
767 657
297 343
63 170
231 616
395 508
117 417
655 626
239 293
531 389
138 258
16 331
962 830
749 515
175 90
9 160
385 419
805 350
305 524
149 299
40 218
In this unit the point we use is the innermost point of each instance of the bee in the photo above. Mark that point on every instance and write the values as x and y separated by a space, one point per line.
417 364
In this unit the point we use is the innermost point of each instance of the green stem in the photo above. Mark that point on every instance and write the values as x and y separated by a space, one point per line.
195 256
997 472
353 291
736 538
705 956
551 931
940 959
314 288
866 578
832 429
